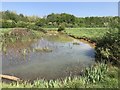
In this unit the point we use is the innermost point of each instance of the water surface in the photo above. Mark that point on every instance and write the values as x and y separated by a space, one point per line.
22 59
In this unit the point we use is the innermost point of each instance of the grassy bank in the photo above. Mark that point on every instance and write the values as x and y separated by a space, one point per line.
92 34
88 34
14 34
106 39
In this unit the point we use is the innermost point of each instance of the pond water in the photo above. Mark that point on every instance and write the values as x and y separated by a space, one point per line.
48 57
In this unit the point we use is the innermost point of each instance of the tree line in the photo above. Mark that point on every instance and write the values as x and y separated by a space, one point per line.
11 19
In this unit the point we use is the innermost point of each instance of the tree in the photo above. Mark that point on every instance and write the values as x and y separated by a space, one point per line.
41 22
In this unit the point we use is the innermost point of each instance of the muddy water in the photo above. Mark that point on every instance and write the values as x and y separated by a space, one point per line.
30 61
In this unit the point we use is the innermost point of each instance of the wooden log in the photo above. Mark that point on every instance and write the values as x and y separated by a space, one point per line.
9 77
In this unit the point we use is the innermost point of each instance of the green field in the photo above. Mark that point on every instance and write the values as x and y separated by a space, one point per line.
83 33
87 33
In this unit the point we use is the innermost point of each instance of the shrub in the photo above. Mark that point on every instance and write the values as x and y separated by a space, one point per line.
21 24
8 23
108 47
34 27
61 27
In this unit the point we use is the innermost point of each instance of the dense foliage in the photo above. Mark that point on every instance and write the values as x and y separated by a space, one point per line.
12 19
61 28
108 47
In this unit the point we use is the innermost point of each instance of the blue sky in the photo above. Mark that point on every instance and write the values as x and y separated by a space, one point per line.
80 9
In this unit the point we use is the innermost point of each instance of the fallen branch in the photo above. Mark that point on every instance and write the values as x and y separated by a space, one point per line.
9 77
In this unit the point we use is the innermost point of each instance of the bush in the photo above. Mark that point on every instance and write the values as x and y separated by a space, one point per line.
108 47
8 23
61 28
34 27
21 24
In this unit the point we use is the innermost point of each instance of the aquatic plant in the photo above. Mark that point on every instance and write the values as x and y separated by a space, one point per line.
24 52
96 73
46 49
76 43
4 49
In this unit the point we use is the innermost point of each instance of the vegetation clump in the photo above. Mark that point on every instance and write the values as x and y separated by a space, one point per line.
108 48
61 28
45 49
96 73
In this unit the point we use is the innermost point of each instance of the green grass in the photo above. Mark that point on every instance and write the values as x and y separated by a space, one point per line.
84 33
87 33
59 38
4 30
50 29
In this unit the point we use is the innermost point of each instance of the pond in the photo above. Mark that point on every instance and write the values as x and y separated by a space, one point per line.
50 57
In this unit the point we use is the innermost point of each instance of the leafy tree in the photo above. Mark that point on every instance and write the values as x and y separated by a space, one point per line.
54 20
40 22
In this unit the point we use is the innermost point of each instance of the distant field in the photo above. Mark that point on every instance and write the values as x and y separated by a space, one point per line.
89 33
85 33
50 29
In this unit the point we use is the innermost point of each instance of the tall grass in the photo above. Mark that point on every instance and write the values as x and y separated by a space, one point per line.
8 35
97 73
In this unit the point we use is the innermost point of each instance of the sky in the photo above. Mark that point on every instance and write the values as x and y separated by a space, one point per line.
79 9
